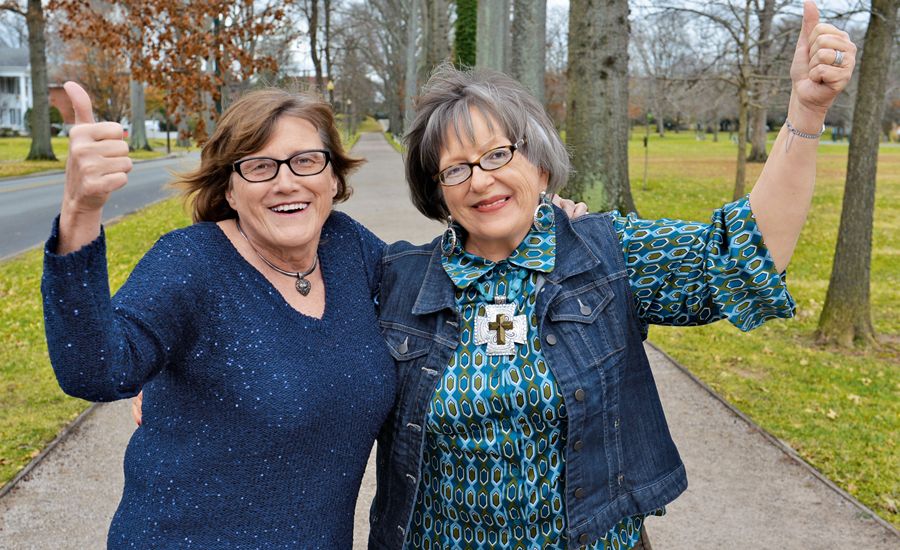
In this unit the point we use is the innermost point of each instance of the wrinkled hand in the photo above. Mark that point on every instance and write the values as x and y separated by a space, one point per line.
137 403
816 81
98 162
571 208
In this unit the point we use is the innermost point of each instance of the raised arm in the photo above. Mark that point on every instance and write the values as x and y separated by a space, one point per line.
98 164
103 349
782 195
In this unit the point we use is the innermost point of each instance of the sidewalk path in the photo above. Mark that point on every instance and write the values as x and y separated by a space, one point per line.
744 492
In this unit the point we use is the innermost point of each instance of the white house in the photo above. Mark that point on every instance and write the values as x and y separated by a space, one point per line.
15 87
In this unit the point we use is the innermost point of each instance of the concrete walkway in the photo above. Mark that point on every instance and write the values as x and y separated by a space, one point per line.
745 492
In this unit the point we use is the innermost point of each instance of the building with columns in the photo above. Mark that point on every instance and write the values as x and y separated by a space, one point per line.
15 88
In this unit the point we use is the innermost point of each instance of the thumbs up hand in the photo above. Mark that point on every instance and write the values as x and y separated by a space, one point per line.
98 162
823 63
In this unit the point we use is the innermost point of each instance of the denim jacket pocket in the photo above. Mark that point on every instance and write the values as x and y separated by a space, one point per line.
404 343
591 310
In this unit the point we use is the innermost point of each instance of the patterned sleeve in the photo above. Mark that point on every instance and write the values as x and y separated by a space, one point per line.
685 273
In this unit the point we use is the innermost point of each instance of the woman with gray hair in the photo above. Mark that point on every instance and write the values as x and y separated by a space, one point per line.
527 415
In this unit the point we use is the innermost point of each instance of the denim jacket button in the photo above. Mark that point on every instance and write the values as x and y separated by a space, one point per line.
578 445
620 479
584 538
551 339
580 493
579 394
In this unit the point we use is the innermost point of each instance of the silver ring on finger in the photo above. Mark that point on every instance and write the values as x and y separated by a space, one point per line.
838 58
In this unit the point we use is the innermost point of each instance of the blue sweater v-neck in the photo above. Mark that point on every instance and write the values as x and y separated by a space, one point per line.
257 419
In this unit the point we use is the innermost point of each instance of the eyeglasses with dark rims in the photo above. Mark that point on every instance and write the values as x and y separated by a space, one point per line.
492 160
304 163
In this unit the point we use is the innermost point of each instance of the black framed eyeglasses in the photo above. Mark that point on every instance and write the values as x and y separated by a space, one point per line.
492 160
304 163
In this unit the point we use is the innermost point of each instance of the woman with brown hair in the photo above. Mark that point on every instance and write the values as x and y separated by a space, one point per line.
252 333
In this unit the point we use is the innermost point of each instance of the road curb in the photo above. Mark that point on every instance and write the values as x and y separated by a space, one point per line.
62 436
781 445
63 171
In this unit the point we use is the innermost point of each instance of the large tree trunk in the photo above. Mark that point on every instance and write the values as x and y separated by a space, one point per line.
529 47
740 178
493 33
41 147
846 318
759 113
409 91
137 140
597 114
312 19
435 36
330 74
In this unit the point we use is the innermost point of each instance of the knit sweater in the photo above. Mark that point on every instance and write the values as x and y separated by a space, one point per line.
257 420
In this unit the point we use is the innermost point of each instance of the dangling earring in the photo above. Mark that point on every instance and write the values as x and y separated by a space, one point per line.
544 217
449 238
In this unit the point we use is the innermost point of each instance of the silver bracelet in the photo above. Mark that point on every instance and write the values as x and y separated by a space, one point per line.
795 132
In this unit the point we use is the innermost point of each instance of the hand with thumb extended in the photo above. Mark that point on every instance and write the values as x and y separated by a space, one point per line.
98 162
823 62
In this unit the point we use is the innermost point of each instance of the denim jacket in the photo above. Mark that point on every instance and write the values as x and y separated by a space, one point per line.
620 458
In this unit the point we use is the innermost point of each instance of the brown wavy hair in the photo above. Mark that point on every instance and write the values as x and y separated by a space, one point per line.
246 127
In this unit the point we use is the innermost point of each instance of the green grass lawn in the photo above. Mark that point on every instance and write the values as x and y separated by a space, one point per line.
34 409
840 409
14 150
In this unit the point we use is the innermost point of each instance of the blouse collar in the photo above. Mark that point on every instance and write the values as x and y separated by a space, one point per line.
536 252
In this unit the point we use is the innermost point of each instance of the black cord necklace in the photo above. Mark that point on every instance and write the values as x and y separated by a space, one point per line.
303 286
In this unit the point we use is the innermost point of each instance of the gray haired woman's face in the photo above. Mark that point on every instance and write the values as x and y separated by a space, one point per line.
494 206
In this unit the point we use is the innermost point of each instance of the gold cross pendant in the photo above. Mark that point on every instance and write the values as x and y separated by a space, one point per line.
501 329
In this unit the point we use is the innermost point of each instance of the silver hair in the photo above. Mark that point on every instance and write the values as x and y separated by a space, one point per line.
446 102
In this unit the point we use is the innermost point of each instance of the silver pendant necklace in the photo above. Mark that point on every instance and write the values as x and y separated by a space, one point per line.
302 285
500 328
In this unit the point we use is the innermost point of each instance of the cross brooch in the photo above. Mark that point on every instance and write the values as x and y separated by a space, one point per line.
501 329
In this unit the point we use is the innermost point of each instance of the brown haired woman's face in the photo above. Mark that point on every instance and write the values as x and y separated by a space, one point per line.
284 216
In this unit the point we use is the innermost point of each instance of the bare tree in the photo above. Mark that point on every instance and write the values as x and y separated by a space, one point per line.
412 31
529 45
311 10
493 34
13 31
597 114
383 23
41 146
436 27
846 317
667 60
737 24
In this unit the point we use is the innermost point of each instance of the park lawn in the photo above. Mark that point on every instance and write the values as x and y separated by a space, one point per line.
32 407
14 150
839 409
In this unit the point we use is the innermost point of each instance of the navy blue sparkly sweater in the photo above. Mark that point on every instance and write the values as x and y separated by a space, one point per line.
257 419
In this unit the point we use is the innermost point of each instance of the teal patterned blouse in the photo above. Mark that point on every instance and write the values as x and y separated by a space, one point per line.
493 470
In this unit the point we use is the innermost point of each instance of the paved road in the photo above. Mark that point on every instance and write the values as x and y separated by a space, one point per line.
744 491
28 204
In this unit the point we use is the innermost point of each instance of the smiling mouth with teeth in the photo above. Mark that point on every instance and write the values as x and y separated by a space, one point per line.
289 208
